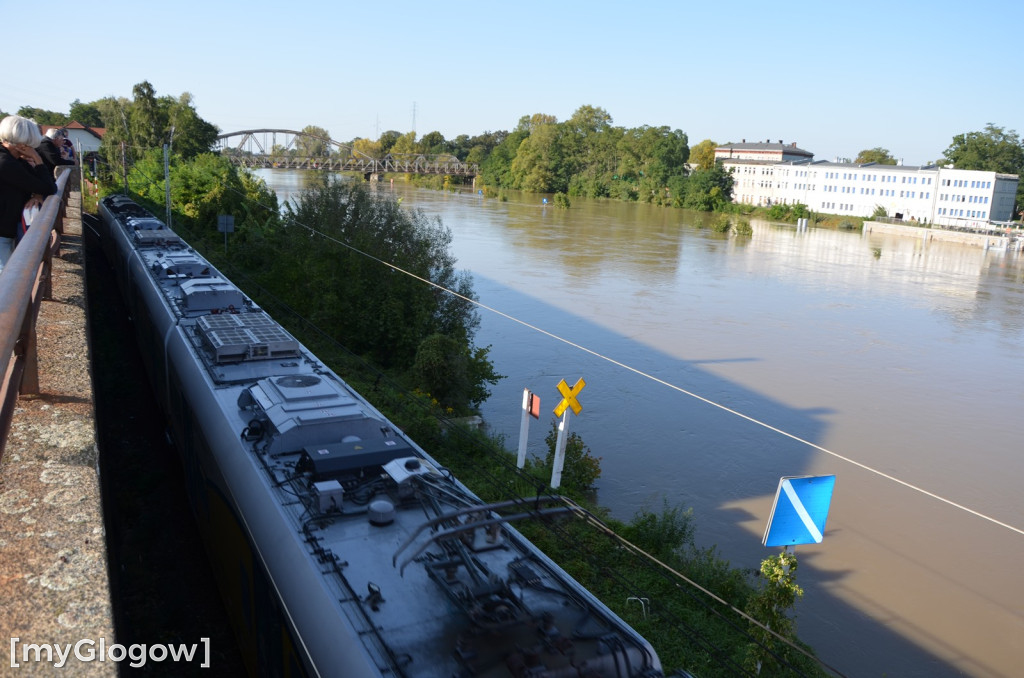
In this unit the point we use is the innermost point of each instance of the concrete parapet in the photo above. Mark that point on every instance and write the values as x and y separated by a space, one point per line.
53 559
935 233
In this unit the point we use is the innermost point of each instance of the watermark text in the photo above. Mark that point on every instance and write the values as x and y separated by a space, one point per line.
87 650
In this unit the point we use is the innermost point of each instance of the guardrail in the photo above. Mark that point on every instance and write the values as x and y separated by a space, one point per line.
24 283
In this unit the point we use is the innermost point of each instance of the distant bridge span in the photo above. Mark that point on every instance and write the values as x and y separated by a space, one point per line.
289 149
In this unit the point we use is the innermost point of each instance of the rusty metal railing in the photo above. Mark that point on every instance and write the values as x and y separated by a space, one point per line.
24 283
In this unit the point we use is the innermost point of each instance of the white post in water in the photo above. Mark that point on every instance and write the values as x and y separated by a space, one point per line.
563 433
568 402
524 429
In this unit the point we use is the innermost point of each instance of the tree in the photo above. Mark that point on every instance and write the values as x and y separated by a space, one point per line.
147 122
405 144
778 594
388 140
144 121
528 123
877 155
707 190
314 142
367 305
433 143
367 147
188 134
702 156
87 114
581 468
538 166
43 116
496 170
993 150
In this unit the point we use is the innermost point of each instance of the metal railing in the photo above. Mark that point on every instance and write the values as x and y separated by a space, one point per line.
24 283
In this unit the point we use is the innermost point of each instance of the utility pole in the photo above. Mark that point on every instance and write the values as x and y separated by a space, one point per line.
167 181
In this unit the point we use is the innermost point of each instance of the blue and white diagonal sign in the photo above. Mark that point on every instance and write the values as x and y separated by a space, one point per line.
800 510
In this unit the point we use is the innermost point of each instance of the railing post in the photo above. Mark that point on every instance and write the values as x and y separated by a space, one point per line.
23 282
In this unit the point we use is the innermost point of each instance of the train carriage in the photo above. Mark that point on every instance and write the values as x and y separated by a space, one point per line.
341 548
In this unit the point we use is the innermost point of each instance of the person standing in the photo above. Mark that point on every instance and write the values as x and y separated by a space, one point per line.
51 149
25 180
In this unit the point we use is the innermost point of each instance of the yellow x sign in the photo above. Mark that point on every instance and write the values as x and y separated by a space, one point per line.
569 397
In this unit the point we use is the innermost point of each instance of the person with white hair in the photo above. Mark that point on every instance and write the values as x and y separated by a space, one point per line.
61 141
51 149
25 180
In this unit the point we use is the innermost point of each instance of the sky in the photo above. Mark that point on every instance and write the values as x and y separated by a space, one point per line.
836 78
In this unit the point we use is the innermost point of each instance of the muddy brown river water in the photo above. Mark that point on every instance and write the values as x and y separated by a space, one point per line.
717 364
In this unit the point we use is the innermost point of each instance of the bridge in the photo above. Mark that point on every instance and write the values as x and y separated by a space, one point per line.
289 149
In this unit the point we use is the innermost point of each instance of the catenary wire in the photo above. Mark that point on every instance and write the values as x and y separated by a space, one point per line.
581 512
680 389
672 386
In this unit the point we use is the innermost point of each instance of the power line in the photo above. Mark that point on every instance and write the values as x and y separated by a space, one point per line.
680 389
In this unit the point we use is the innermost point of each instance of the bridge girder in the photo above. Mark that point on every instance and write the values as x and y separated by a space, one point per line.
345 159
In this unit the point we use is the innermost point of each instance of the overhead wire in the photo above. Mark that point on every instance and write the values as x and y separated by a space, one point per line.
680 389
590 517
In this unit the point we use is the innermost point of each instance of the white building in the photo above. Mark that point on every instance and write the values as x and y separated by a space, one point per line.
928 194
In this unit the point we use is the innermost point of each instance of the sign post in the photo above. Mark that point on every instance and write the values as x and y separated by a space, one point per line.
226 224
531 408
568 402
799 512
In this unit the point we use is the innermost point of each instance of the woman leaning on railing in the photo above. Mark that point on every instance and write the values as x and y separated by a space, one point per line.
24 283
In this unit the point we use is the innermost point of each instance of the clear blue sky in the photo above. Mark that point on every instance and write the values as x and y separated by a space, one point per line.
834 77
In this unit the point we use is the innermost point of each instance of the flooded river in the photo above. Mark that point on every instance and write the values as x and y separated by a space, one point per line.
717 364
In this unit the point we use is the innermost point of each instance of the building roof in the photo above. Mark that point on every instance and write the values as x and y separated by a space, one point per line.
97 132
766 147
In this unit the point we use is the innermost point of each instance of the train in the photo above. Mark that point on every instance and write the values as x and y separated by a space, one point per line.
340 547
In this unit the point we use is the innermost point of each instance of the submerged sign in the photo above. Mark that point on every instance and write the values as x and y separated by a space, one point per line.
800 509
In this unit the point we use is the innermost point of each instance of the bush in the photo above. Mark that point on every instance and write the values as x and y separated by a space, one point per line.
720 224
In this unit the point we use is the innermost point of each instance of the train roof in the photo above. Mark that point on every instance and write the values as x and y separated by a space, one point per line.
406 559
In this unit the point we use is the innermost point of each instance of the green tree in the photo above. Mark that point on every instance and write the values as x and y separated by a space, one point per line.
203 188
367 147
496 170
188 134
702 156
992 150
87 114
144 120
405 144
877 154
147 122
539 163
338 235
314 142
707 190
433 143
453 373
777 595
388 140
43 116
581 468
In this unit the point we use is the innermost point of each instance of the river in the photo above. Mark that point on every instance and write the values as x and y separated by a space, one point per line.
717 364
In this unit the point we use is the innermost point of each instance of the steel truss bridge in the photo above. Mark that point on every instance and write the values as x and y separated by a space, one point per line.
288 149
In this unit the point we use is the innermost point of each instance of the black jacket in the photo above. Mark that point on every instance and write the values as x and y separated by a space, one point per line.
49 151
18 181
